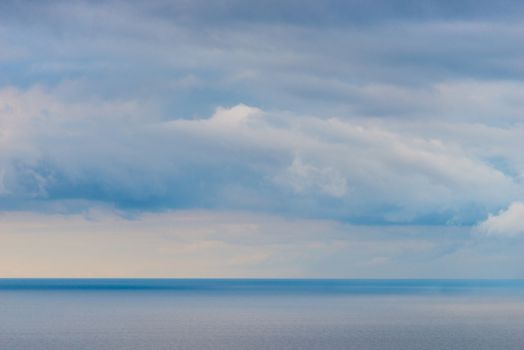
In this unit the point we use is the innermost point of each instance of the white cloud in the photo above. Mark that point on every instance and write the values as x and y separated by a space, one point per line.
509 222
235 116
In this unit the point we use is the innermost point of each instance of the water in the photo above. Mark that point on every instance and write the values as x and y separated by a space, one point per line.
261 314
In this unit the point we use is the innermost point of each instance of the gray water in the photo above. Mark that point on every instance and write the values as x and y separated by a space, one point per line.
260 314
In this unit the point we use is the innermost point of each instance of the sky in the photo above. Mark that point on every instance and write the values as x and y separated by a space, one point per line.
308 139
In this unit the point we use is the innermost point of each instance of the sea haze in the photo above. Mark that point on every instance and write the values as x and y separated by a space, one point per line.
260 314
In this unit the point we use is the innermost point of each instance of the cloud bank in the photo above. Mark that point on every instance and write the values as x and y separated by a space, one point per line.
358 169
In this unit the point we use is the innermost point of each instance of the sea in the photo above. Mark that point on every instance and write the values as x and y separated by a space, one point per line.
237 314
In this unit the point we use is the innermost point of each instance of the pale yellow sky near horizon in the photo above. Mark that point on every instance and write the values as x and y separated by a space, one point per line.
182 244
191 243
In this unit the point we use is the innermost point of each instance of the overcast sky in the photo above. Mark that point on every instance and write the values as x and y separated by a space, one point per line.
262 139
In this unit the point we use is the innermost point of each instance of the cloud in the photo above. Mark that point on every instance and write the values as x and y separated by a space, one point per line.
330 58
235 116
56 147
345 107
507 223
304 178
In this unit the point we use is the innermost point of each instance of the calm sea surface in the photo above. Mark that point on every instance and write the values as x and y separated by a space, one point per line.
261 314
